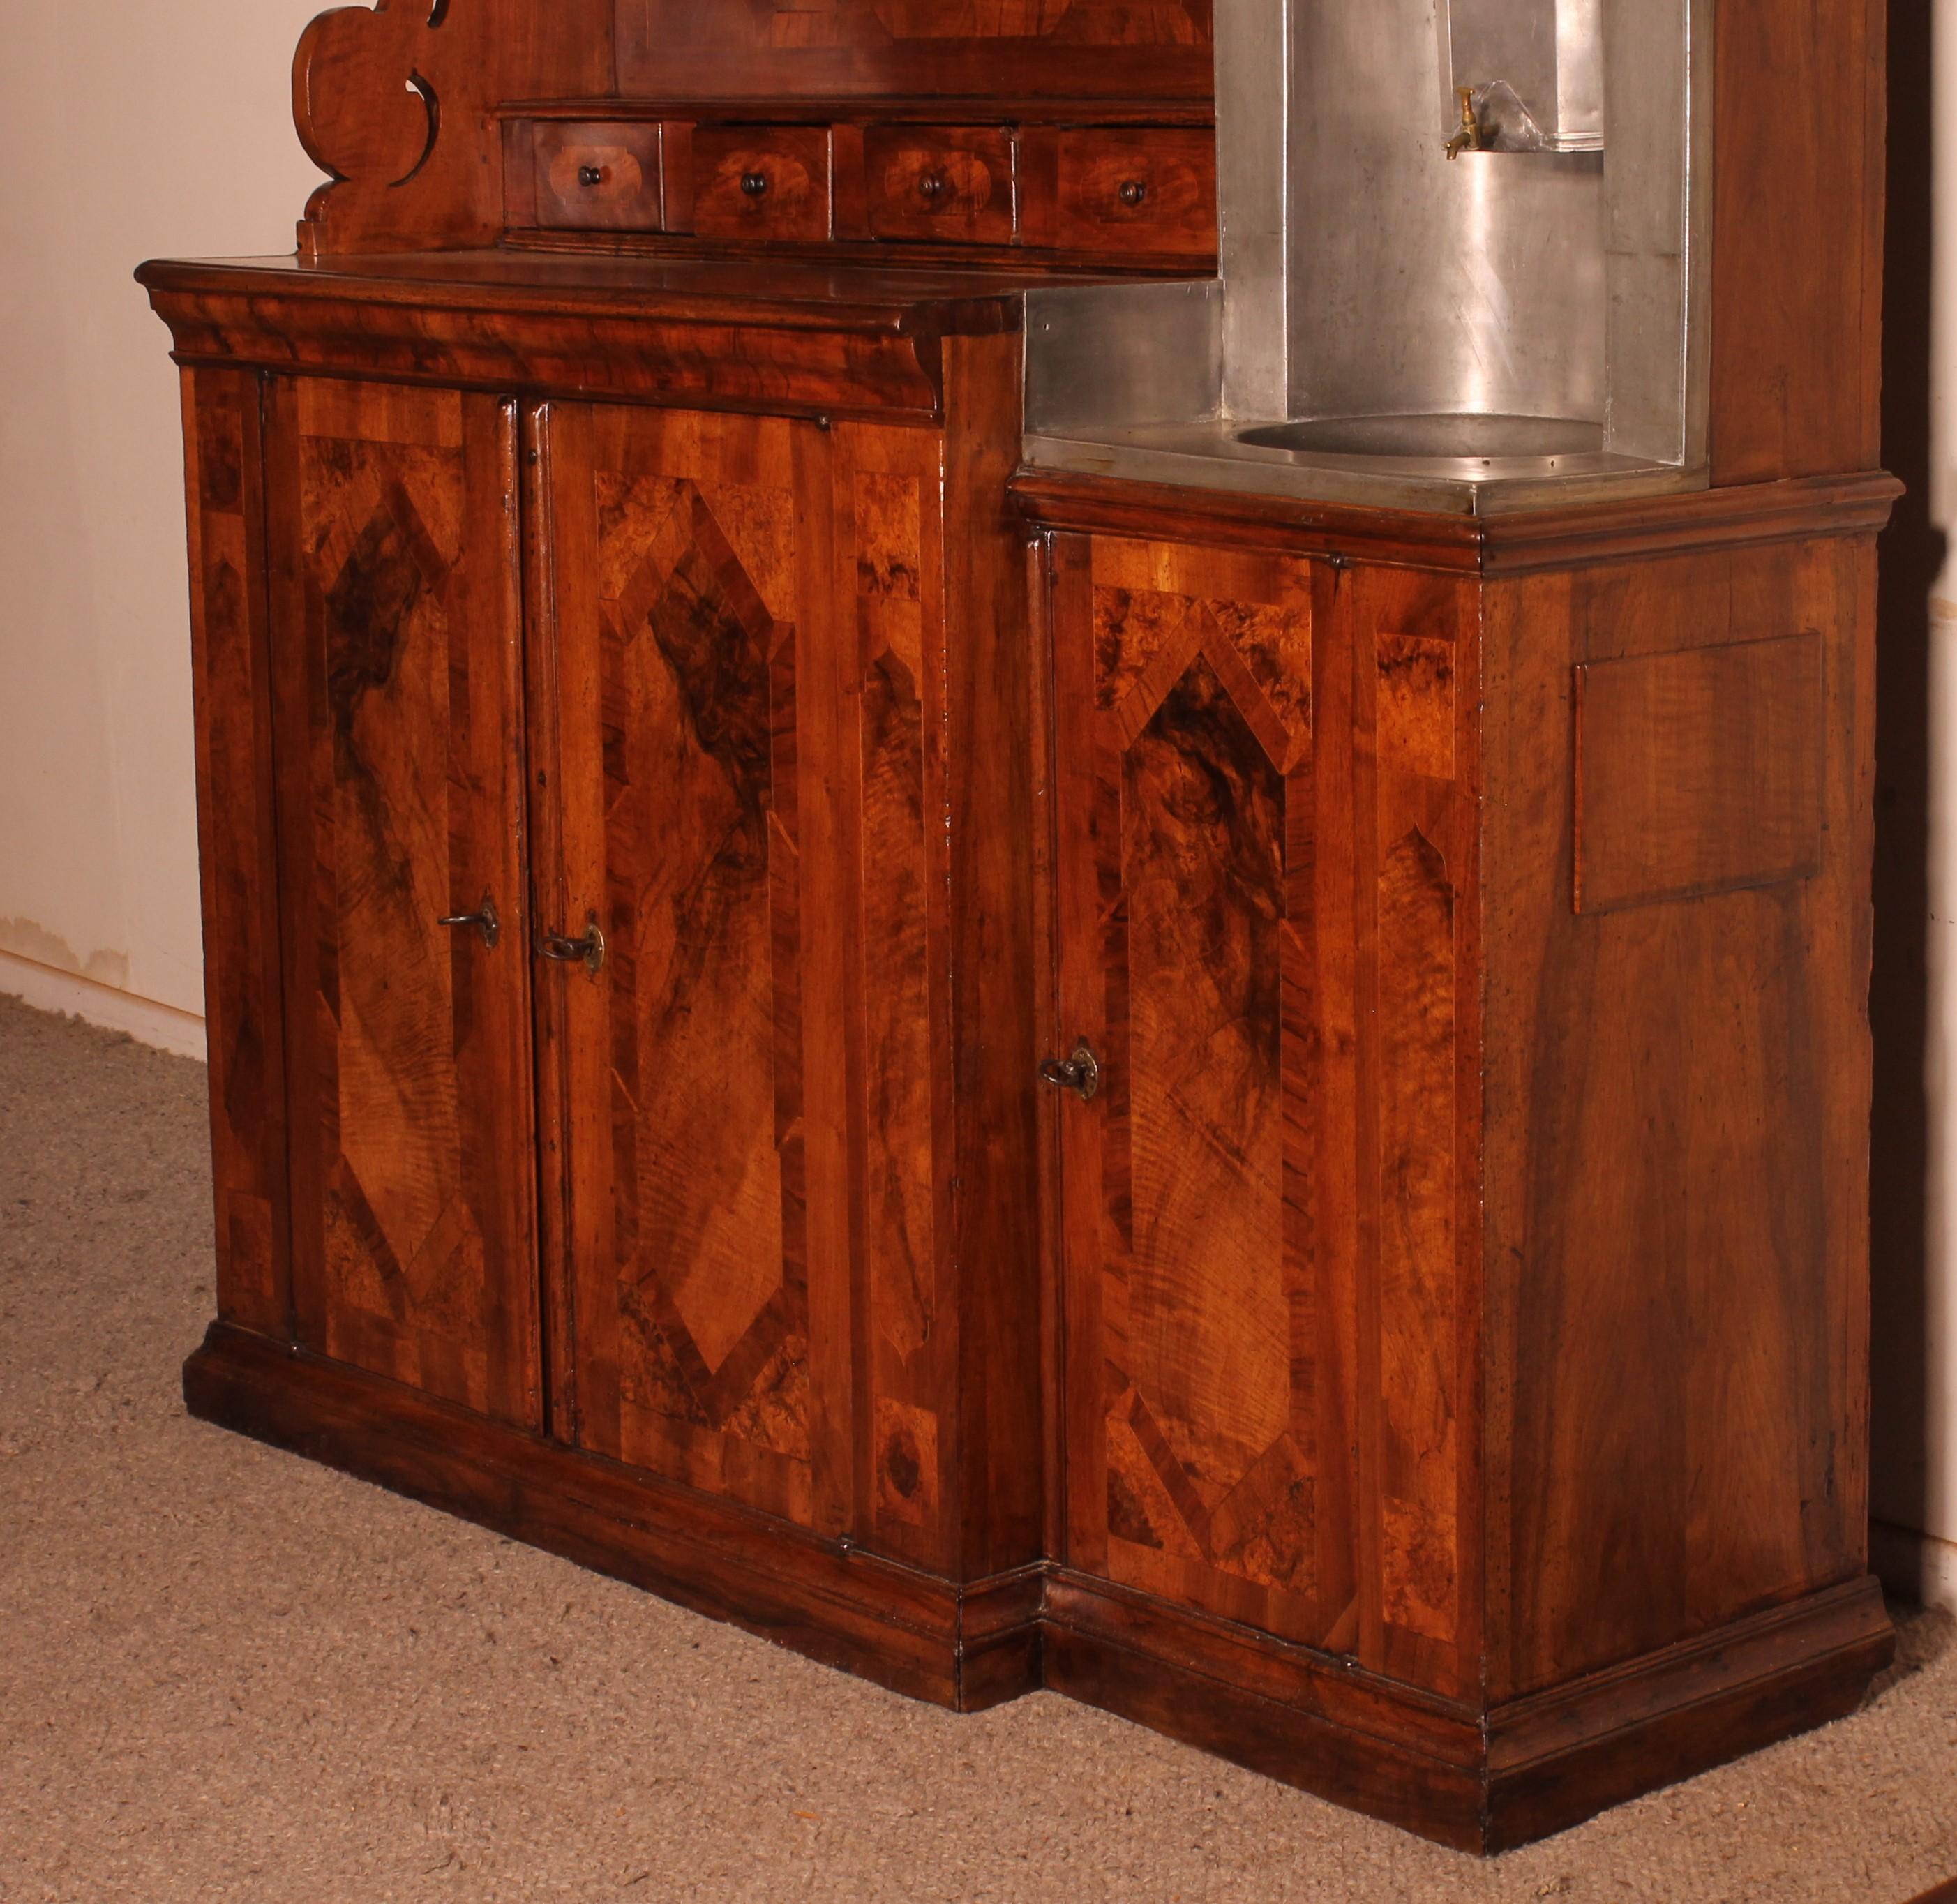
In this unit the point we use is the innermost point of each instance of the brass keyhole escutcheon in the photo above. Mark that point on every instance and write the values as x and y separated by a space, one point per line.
1080 1072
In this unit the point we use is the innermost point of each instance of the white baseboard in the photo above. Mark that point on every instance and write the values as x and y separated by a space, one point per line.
1914 1566
48 989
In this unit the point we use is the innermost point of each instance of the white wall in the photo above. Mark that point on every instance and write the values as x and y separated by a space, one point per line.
125 131
1935 1487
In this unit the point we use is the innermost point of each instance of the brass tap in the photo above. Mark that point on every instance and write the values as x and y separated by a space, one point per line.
1468 139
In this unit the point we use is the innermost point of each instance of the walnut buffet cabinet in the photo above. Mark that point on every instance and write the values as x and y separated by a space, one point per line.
1251 1105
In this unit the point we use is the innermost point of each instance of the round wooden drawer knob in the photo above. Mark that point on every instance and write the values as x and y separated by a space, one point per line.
1132 193
753 183
591 175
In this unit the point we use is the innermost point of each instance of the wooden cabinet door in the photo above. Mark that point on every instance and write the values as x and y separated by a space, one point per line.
1203 887
397 640
689 680
1266 882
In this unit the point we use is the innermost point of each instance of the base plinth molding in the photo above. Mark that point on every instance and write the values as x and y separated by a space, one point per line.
1481 1782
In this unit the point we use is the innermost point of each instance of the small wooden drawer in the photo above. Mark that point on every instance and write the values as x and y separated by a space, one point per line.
951 182
1139 191
594 177
761 182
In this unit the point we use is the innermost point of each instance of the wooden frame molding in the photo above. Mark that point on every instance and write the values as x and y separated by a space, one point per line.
1307 1718
1524 544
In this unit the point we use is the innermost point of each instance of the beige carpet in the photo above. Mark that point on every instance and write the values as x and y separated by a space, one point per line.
227 1674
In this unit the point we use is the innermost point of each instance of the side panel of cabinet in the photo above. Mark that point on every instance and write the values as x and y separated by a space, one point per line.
987 829
1205 953
1681 759
397 639
685 655
231 661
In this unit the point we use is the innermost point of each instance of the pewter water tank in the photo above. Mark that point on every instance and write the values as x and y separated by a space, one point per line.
1428 285
1533 71
1460 242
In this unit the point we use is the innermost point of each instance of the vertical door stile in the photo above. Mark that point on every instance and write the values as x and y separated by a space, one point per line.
1050 1017
493 842
1080 1015
542 778
887 708
816 870
1357 657
568 667
1413 642
1341 1482
294 740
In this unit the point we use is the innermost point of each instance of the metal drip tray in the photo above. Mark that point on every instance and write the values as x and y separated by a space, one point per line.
1457 436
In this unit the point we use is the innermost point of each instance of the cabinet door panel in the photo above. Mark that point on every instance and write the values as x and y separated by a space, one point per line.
396 635
1207 1462
685 575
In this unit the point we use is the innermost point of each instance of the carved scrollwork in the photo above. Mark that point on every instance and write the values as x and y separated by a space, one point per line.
364 109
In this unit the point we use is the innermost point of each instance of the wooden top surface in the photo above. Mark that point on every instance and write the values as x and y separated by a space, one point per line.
777 293
1505 545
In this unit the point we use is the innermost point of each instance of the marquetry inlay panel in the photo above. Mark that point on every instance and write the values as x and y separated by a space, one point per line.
1191 825
396 631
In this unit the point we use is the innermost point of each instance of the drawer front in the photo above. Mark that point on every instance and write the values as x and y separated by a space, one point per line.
950 182
598 178
1149 192
761 182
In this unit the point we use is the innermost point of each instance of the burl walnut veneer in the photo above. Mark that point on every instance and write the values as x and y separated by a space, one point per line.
669 781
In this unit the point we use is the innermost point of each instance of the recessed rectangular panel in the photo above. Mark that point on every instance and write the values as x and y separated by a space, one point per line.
1697 771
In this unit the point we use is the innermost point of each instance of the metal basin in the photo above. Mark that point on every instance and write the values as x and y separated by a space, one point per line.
1461 436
